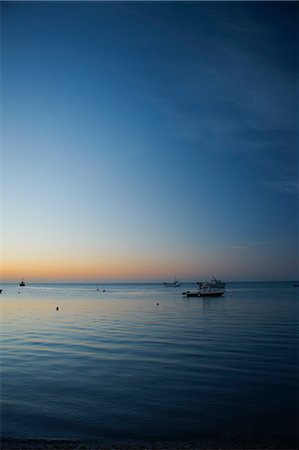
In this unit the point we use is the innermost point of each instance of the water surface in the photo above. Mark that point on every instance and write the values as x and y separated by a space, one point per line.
115 366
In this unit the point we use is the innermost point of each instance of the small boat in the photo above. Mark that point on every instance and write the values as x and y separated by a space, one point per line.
206 292
22 283
191 293
211 292
175 283
211 289
214 283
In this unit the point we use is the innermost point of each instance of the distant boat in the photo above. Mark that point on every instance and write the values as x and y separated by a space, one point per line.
191 293
210 292
214 283
213 288
205 292
175 283
22 283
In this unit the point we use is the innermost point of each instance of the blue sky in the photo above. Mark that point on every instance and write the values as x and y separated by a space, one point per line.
143 140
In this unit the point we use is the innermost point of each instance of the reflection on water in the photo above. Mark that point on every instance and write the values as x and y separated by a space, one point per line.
116 364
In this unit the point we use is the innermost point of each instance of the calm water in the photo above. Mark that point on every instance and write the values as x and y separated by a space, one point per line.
115 365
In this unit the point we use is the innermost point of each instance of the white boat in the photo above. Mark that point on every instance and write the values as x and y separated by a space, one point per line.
214 283
213 288
210 292
175 283
205 292
217 283
191 293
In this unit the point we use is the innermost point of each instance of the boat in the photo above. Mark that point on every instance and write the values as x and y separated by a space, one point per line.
213 288
205 292
210 292
217 283
175 283
191 293
22 283
214 283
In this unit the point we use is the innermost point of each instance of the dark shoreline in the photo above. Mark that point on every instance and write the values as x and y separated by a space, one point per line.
206 443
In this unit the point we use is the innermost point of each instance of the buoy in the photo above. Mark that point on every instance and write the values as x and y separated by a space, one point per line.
157 304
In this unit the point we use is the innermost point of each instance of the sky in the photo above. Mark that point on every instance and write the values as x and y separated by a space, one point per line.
147 140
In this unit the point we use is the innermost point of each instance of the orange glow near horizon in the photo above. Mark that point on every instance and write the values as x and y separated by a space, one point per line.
113 268
134 266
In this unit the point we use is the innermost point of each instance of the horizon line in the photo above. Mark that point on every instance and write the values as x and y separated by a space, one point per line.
144 282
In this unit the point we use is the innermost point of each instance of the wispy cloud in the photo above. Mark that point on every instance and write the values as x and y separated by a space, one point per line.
282 186
239 247
256 244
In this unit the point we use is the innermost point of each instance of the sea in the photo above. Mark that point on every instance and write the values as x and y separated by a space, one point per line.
140 364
